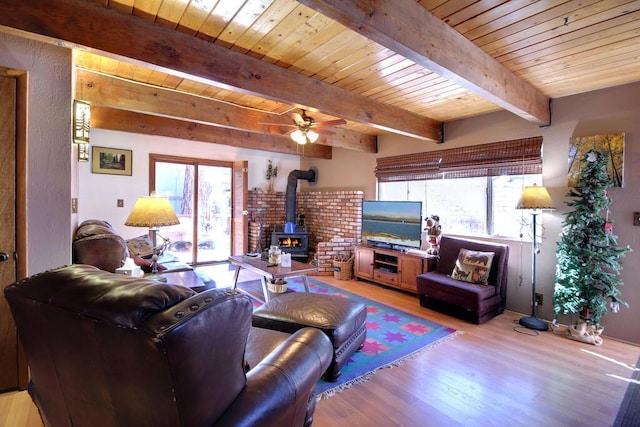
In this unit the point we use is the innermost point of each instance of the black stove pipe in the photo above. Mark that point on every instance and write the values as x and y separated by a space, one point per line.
292 185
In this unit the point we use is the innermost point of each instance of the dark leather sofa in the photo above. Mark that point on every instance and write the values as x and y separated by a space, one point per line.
474 302
111 350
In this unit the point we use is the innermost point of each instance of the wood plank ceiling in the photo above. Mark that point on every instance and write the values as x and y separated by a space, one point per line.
217 70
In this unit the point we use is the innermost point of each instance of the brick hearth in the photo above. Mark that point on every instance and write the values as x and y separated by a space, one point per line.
333 220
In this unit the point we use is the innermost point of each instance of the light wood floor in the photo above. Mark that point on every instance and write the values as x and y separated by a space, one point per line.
494 374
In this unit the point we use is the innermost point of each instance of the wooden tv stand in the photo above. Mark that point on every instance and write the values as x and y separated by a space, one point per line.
391 267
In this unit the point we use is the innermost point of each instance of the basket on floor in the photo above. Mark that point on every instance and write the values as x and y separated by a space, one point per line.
343 268
277 287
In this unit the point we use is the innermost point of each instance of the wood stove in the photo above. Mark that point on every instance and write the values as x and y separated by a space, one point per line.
293 238
296 243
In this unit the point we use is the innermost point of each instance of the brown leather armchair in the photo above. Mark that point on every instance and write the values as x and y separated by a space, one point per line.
111 350
96 243
474 302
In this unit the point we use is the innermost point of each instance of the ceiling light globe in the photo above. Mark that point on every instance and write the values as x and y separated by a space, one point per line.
312 136
299 137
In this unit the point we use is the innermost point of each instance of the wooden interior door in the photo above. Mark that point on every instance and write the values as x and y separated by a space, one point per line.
9 353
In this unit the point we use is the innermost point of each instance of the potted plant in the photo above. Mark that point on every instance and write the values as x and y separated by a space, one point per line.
587 273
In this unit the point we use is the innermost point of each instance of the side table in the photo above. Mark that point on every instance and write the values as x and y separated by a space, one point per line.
188 278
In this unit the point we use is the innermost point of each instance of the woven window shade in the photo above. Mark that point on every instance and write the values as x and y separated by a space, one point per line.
516 157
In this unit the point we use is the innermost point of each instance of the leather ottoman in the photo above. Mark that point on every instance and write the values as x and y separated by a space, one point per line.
341 319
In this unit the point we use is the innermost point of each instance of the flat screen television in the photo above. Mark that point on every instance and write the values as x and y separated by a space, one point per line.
392 224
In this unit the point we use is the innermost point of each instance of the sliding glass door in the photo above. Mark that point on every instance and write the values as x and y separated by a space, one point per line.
201 193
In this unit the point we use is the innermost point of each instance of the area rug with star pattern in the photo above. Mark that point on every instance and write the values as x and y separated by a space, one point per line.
392 335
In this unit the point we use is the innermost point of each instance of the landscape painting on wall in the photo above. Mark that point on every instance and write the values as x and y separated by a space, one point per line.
610 144
112 161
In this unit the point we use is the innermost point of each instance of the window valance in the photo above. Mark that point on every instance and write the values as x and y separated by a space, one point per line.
515 157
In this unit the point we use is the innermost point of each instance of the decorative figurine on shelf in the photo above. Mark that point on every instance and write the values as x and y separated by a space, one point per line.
271 175
433 231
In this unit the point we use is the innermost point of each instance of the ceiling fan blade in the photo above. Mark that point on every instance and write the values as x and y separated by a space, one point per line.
276 124
323 131
297 117
336 122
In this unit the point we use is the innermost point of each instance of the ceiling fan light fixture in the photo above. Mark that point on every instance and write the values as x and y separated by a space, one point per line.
305 132
299 137
312 136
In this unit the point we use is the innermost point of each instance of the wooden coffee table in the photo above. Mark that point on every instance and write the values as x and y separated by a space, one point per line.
259 266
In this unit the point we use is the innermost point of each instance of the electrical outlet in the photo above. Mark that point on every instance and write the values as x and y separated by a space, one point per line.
538 299
74 205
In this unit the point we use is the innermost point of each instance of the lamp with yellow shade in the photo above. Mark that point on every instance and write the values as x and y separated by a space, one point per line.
153 211
536 199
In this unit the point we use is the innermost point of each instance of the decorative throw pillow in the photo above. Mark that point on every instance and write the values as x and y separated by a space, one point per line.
473 266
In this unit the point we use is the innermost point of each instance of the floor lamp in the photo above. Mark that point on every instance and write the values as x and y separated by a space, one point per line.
153 212
534 198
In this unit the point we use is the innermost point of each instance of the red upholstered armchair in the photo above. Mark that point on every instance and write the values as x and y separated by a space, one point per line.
110 350
476 302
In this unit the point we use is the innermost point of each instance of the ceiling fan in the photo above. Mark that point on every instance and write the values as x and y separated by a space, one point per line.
307 129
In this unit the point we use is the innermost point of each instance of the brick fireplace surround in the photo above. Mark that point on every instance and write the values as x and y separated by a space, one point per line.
333 220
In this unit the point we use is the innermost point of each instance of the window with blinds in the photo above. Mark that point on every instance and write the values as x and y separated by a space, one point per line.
474 190
516 157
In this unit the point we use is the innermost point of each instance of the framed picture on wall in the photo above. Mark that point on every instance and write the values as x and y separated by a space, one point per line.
611 144
112 161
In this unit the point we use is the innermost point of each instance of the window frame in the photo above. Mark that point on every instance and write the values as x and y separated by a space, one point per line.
489 186
520 157
239 197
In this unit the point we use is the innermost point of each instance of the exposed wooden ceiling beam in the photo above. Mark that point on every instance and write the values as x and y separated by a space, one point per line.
129 121
99 89
411 30
93 26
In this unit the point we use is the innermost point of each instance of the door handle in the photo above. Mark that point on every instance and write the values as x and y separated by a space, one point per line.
4 257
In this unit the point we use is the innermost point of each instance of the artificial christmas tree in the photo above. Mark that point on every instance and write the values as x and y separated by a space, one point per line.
587 274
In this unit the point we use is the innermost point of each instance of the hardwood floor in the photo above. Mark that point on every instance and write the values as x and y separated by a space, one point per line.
494 374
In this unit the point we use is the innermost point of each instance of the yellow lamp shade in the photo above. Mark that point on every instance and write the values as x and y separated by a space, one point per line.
535 197
152 211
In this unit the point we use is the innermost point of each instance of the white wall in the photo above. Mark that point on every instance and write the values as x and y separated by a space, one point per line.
348 170
98 193
49 168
